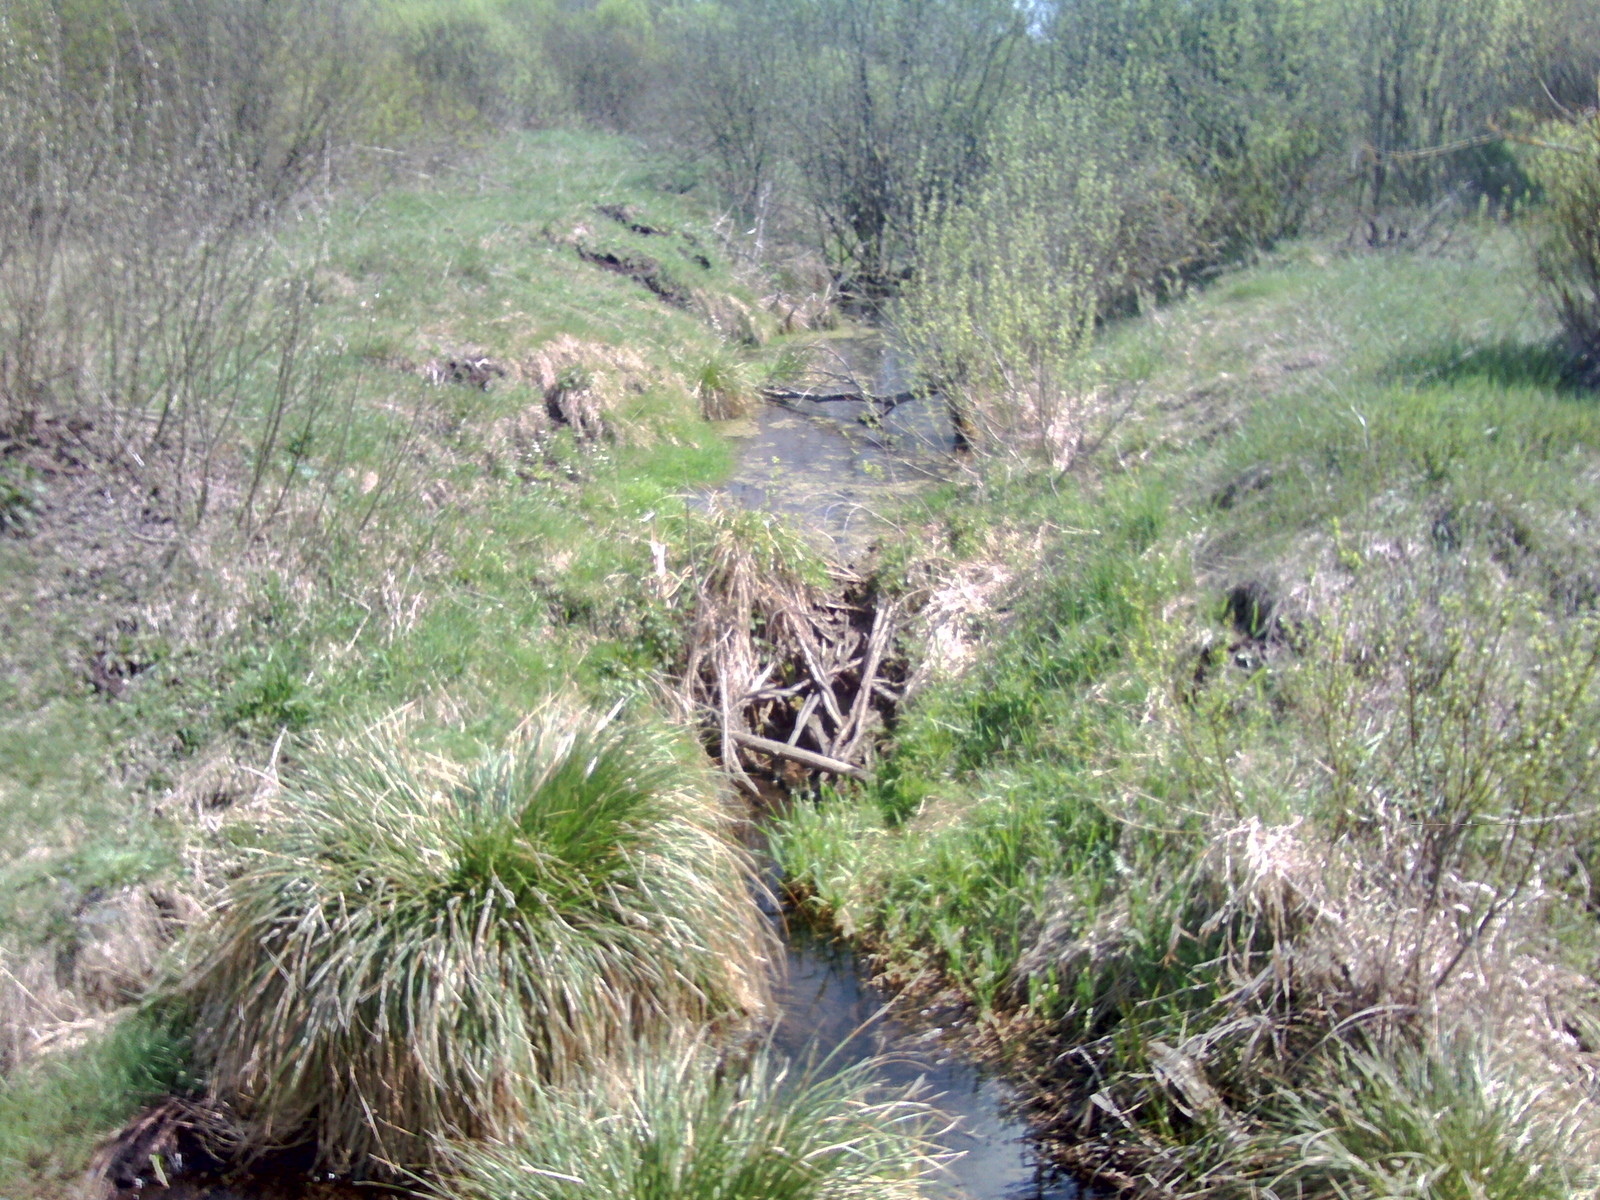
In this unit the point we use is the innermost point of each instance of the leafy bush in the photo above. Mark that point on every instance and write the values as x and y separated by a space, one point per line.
419 942
1078 211
682 1128
1567 169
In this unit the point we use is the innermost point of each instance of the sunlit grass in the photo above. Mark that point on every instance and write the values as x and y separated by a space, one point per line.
1444 1124
419 943
683 1127
1199 849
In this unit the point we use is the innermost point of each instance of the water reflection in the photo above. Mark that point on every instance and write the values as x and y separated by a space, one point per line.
834 466
825 1003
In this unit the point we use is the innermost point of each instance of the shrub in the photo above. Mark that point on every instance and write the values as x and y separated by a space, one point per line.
420 942
1567 168
678 1128
1080 211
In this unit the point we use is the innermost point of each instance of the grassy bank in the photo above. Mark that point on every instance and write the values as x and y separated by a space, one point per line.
483 508
1247 789
1241 789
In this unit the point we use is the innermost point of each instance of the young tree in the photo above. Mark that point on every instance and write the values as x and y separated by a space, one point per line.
1080 209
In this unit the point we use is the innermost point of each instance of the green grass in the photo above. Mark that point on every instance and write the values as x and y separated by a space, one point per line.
464 569
1447 1125
53 1114
442 547
1127 821
682 1126
419 944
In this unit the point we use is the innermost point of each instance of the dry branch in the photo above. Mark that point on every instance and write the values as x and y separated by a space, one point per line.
884 403
820 762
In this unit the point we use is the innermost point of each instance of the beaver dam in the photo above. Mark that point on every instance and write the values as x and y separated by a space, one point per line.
795 675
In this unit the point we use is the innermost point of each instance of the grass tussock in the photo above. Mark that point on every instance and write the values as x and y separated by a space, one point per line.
680 1126
1444 1123
584 382
724 388
418 943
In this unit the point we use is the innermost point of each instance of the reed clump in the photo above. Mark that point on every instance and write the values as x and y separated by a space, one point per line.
683 1127
419 943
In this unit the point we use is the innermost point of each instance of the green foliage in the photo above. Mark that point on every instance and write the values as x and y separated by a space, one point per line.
52 1115
868 109
1442 1124
1078 210
682 1126
1430 73
1251 94
420 943
18 498
1565 165
1187 838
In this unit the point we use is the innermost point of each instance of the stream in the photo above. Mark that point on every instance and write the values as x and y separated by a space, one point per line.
828 1006
830 467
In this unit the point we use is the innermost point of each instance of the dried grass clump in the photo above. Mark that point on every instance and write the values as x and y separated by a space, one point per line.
123 941
683 1126
58 999
1277 946
734 321
36 1011
958 618
419 943
1253 896
583 382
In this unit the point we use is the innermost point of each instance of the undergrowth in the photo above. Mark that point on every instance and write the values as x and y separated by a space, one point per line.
1278 756
495 512
681 1126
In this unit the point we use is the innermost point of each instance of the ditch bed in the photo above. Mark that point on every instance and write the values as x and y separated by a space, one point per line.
831 467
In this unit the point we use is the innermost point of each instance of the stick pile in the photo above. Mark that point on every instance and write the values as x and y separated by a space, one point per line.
783 669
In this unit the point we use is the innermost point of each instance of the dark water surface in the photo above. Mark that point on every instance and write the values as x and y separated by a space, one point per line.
834 467
827 1006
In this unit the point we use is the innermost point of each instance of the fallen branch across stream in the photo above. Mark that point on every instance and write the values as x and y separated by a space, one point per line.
887 403
806 758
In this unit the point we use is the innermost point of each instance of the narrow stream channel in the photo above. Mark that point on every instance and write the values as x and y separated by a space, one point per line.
831 468
827 1006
